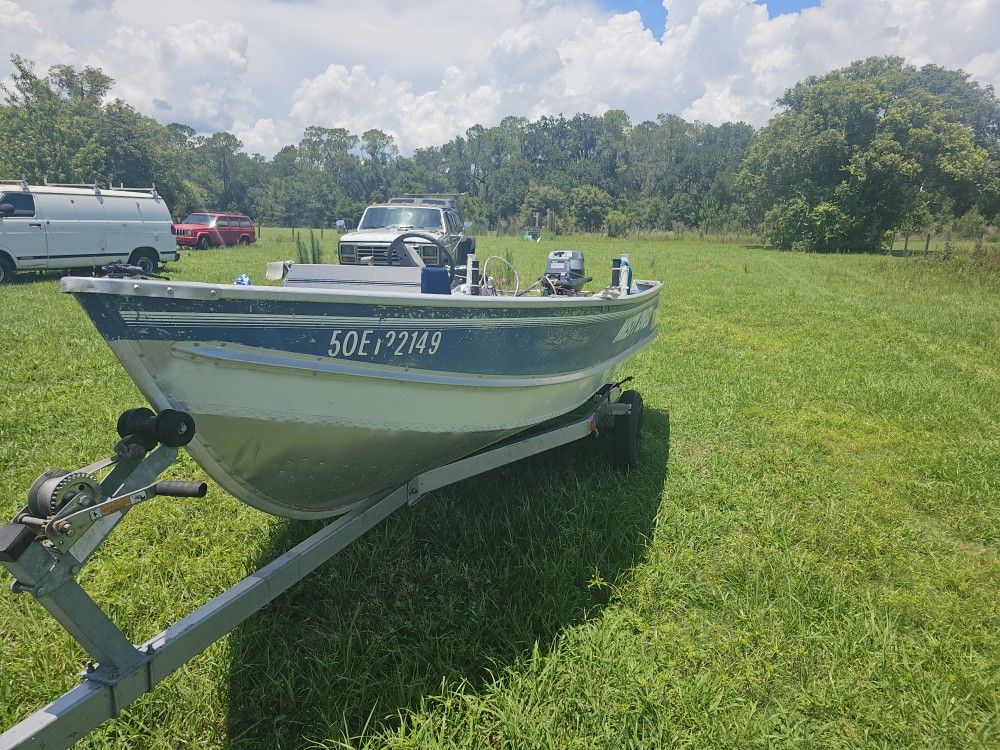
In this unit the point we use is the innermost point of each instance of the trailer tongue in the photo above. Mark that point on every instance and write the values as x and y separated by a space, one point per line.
69 515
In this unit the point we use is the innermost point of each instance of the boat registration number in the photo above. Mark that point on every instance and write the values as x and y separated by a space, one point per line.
371 343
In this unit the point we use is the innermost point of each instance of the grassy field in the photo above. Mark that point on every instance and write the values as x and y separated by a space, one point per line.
817 565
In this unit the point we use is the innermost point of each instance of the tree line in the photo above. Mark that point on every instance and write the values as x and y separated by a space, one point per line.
851 156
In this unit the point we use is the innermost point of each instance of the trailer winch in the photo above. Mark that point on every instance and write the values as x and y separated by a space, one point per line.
70 513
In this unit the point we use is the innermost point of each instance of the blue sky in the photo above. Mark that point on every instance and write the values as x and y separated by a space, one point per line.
654 15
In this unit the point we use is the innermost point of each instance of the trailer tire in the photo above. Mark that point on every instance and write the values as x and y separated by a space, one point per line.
6 270
627 434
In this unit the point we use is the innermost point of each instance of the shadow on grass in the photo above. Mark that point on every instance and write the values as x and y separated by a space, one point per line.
26 278
456 588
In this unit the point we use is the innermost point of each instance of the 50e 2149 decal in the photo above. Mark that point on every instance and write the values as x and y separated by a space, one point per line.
371 343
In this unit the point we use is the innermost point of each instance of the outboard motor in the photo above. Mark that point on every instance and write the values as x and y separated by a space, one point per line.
564 273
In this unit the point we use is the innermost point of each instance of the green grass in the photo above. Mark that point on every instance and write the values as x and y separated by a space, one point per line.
817 567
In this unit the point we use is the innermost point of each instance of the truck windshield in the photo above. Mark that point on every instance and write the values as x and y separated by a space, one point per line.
379 217
203 219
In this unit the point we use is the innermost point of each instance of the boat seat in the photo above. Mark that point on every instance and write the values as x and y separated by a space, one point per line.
358 278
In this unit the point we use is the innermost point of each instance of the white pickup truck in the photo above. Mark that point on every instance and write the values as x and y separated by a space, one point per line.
383 222
81 226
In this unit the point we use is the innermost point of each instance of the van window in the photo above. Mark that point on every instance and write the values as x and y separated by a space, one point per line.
246 223
23 203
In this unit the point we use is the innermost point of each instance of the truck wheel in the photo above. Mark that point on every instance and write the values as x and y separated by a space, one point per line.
627 432
244 240
203 242
6 270
146 260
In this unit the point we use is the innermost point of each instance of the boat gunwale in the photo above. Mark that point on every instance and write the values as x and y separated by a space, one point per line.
198 290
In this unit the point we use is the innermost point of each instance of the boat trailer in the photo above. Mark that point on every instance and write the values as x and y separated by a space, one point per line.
69 515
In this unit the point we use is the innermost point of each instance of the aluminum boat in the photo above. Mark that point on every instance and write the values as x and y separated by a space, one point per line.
344 383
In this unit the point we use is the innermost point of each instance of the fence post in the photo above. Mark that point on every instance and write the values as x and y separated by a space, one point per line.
927 244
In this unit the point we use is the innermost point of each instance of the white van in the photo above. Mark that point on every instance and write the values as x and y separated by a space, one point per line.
80 226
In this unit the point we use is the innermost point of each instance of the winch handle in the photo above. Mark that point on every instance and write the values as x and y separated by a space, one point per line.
181 489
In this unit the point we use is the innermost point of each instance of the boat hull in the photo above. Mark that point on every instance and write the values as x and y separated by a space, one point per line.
308 403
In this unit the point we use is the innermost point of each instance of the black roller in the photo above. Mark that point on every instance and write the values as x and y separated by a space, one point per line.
171 427
139 423
174 428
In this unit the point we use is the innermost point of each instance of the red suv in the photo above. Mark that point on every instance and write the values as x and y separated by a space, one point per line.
209 228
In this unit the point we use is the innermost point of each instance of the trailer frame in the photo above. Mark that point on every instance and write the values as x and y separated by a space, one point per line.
121 672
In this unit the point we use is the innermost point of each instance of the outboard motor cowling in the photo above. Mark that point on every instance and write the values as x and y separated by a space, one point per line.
564 272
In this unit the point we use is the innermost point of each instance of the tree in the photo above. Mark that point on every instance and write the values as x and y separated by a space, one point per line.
88 83
47 136
63 126
541 199
589 205
380 154
859 150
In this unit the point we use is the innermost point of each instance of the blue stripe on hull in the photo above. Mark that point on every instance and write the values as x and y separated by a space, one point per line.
542 339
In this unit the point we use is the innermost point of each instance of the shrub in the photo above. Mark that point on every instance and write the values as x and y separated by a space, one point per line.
787 223
792 224
971 225
829 227
616 223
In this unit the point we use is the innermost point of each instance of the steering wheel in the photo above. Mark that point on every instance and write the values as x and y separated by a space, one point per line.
396 251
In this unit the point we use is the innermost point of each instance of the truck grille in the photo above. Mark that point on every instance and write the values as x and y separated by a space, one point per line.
378 253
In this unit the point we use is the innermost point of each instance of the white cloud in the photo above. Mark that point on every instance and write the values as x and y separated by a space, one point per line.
265 135
22 33
193 73
427 71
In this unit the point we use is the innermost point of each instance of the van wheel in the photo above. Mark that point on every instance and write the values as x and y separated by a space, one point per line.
203 242
244 240
6 271
146 260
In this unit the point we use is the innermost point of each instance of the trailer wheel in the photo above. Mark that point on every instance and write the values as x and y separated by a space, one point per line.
628 431
6 270
146 260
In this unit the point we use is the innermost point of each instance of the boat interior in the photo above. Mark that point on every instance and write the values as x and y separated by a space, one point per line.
495 277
